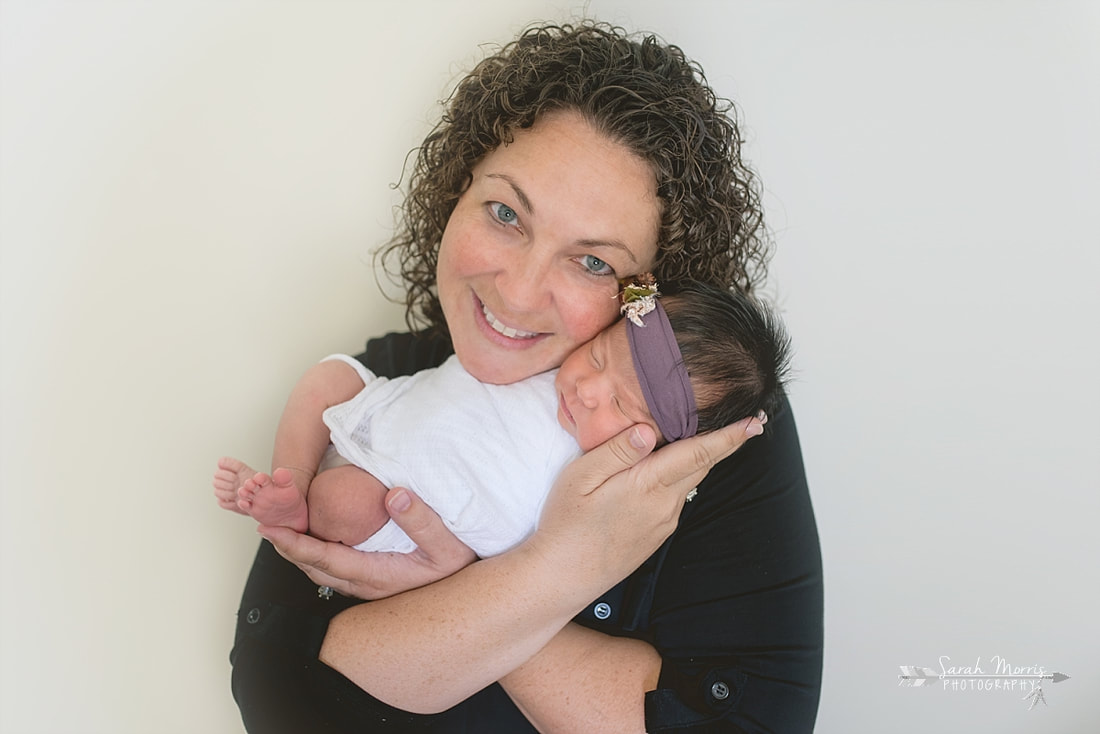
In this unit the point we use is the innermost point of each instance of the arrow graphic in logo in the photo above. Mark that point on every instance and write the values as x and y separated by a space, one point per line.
915 677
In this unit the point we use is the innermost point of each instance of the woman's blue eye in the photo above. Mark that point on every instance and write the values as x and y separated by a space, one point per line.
596 266
504 213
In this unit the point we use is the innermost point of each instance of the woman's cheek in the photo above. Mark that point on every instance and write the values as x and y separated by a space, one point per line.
589 316
467 252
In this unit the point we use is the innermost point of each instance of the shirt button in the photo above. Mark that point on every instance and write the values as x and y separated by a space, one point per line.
720 691
602 610
253 616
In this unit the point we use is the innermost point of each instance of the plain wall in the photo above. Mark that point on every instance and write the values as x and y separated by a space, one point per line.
190 193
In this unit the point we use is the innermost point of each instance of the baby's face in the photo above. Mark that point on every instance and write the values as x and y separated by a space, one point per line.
598 391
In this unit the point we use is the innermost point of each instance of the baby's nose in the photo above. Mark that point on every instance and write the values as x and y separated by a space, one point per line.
588 390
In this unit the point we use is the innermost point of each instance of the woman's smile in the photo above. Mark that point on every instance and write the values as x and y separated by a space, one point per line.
501 328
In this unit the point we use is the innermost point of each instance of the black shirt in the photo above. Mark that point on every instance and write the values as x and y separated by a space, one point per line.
732 602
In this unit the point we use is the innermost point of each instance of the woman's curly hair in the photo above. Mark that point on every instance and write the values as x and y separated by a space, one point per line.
640 92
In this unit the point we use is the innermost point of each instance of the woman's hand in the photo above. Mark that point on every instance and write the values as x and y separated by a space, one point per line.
377 575
613 507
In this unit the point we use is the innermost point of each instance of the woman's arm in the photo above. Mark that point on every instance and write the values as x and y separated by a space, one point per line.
584 680
430 648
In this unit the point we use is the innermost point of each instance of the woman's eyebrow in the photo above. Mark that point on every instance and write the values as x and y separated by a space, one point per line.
523 200
613 244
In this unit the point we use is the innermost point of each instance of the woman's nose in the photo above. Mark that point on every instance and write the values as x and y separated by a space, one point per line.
525 282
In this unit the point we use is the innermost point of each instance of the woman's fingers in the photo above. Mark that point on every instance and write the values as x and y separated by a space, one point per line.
436 544
348 571
618 454
683 464
378 575
319 559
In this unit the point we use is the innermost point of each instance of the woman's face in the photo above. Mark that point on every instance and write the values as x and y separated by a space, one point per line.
530 260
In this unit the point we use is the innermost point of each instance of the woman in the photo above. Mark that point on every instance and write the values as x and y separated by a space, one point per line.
572 158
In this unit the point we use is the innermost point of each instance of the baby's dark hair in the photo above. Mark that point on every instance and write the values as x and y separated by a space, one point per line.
735 349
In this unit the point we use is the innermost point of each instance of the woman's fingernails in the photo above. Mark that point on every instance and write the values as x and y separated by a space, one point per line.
755 428
636 439
400 500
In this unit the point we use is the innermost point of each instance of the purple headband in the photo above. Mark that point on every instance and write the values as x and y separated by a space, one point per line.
660 368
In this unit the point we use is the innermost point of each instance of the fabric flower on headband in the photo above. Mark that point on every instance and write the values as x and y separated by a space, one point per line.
639 297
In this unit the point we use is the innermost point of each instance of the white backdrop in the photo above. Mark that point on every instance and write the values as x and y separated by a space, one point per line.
189 195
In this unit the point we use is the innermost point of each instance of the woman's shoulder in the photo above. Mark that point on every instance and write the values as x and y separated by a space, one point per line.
403 353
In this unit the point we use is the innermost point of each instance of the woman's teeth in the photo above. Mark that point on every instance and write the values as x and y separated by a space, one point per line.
507 331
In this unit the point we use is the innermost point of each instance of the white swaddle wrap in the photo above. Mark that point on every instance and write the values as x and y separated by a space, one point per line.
482 456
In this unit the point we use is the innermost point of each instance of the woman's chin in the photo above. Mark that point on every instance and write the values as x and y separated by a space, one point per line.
500 369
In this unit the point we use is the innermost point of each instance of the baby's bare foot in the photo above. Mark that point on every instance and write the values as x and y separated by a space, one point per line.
274 500
230 476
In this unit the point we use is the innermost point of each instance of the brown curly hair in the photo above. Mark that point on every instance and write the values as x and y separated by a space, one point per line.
640 92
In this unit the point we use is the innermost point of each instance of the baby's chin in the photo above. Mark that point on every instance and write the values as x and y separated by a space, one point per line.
586 446
575 432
